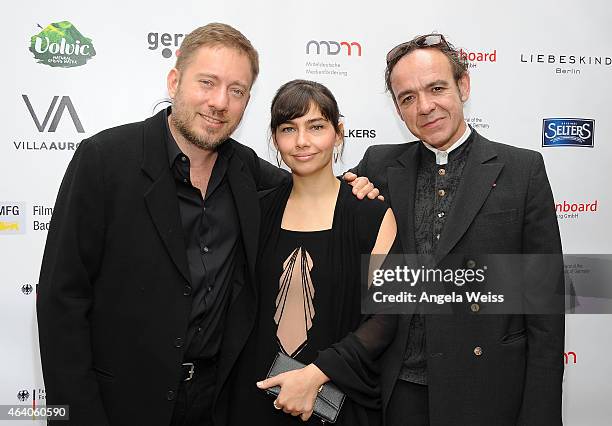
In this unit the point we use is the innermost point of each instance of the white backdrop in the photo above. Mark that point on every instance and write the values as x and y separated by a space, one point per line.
511 95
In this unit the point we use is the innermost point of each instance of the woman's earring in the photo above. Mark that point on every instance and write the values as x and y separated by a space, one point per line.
278 159
336 154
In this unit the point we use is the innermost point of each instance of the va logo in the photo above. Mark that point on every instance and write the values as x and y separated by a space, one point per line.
27 289
333 47
61 45
65 103
23 395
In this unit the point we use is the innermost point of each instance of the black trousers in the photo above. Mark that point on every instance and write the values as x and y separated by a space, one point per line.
409 405
195 397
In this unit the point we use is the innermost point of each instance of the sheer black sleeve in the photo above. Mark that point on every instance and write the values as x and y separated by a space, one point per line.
351 363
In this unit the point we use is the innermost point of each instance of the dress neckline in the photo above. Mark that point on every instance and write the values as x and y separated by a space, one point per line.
318 231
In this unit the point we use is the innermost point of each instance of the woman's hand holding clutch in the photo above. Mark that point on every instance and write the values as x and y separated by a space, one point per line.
299 390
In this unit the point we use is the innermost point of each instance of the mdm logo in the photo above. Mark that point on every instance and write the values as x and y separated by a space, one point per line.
568 132
333 47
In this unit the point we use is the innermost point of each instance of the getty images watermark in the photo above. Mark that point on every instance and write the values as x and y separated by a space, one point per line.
487 284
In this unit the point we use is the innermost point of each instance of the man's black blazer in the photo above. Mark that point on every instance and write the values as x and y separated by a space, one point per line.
113 303
503 205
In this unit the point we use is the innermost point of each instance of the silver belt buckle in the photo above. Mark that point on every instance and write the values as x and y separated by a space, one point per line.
191 370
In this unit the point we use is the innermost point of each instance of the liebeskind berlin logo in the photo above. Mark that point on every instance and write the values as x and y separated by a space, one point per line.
61 45
568 132
561 62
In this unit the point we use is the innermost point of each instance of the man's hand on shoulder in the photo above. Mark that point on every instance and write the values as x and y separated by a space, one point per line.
362 186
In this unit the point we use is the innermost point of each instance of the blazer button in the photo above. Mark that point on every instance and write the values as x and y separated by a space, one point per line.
187 290
178 343
470 264
171 395
475 307
477 351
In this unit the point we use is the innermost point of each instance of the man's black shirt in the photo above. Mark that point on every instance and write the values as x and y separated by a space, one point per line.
213 245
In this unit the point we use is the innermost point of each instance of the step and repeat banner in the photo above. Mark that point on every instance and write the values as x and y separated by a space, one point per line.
541 76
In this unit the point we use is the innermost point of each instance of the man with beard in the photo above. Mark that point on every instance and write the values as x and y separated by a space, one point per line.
146 289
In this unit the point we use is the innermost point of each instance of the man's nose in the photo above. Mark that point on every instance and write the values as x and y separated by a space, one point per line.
219 99
425 104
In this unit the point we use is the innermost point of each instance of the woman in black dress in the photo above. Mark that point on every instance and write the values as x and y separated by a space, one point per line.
313 234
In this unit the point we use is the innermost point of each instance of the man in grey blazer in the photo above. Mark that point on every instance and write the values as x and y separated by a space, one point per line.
456 194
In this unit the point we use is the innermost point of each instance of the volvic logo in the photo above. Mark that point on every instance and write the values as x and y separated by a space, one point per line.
64 104
61 45
333 47
568 132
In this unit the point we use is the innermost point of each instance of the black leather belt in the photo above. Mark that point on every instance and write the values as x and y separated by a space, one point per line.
190 368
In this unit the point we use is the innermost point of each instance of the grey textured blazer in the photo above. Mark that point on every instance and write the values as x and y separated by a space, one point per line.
482 369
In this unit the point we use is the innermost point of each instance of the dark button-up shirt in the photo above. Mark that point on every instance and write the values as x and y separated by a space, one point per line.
213 245
436 187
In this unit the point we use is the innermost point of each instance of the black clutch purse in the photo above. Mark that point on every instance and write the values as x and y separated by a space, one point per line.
329 399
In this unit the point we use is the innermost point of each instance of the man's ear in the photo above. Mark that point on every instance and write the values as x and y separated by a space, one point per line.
464 87
172 82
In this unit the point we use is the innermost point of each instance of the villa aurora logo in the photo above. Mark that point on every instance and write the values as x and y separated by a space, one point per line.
61 45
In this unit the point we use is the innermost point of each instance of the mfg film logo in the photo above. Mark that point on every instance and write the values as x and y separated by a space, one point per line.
350 48
578 132
61 45
12 218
